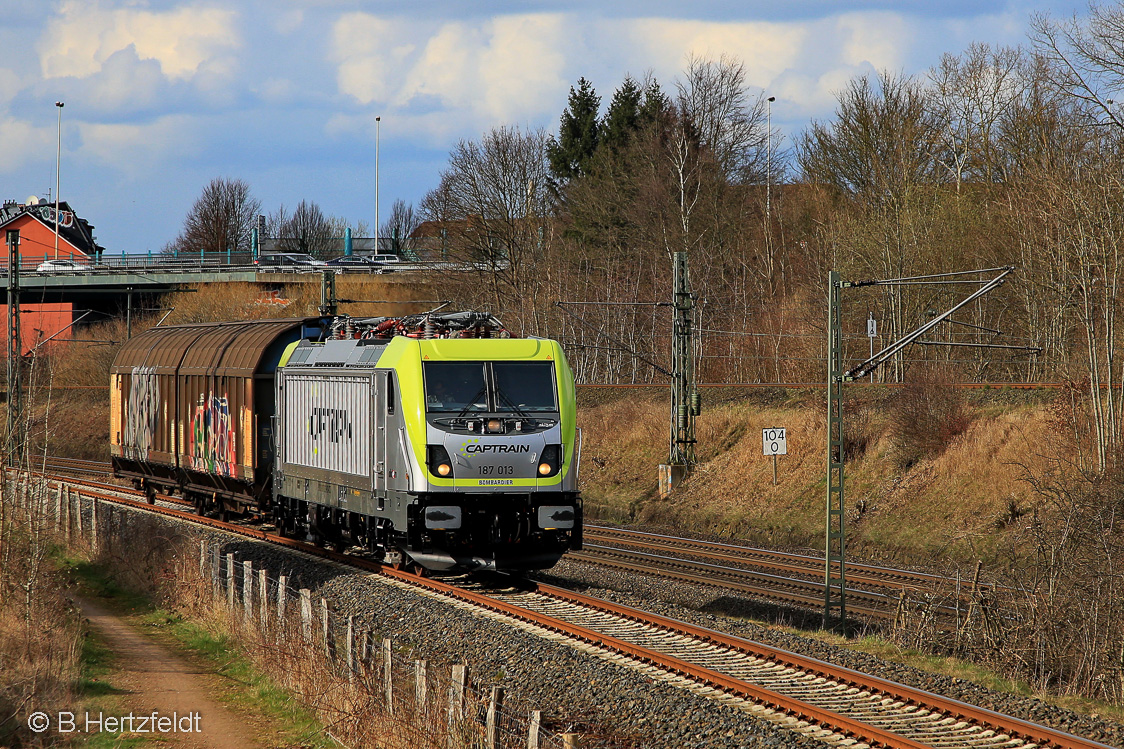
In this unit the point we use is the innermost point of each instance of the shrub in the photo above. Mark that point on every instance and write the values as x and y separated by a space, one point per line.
925 416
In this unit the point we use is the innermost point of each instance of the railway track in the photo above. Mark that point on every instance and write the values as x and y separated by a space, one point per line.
873 592
75 466
835 704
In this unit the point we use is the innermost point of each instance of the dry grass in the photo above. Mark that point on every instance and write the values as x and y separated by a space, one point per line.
162 564
957 503
40 640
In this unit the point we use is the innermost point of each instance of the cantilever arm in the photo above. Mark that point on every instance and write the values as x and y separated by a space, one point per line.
868 366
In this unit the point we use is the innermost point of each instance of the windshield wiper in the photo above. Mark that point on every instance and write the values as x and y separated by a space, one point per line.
471 402
514 407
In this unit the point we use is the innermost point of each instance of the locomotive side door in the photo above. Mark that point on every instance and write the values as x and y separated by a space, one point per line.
380 404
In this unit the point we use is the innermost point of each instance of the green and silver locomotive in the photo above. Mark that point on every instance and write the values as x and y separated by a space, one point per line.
430 440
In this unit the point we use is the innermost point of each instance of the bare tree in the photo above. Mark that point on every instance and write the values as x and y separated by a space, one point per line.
971 95
221 219
881 143
306 229
495 198
1088 59
401 224
880 151
714 97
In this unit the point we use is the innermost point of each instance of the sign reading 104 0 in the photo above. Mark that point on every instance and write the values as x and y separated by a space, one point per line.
774 441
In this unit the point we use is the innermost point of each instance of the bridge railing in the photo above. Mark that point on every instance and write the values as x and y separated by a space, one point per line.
38 265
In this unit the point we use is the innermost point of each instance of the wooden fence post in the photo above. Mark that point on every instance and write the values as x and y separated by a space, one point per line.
457 685
282 594
263 599
230 581
368 648
326 629
421 684
216 569
247 591
534 730
78 501
495 711
388 674
202 556
306 614
94 523
66 509
570 741
349 647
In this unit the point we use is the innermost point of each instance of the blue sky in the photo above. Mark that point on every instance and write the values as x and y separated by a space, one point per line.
162 96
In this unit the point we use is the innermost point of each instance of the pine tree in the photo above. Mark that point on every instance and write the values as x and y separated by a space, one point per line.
623 117
578 134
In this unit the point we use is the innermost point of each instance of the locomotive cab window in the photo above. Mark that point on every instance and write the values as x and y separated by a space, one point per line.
455 387
467 388
524 387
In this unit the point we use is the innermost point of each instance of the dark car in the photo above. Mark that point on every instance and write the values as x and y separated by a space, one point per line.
288 261
360 263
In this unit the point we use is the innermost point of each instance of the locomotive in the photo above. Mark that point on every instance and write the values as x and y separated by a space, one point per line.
435 440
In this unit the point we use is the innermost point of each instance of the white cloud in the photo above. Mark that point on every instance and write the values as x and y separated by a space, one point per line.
495 71
81 38
125 83
880 39
139 149
24 143
766 48
363 46
522 66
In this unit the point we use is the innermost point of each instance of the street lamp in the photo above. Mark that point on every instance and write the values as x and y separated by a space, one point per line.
58 162
769 163
378 121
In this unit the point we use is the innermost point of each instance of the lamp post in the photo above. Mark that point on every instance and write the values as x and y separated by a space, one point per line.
58 162
378 121
769 163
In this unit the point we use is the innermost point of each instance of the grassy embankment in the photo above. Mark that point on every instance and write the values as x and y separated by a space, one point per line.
960 500
277 719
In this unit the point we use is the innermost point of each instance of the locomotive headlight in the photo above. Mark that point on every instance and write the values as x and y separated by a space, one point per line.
438 460
494 426
551 460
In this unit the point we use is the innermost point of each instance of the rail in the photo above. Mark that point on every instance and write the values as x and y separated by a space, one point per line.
851 704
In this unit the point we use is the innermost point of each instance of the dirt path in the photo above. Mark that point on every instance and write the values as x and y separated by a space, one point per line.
158 680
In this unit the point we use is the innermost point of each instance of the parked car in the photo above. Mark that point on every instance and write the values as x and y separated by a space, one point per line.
289 261
64 265
361 263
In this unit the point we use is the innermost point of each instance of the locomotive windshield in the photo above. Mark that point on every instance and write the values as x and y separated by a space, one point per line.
524 387
455 387
498 387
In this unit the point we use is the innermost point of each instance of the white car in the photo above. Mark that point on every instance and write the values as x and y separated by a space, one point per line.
63 265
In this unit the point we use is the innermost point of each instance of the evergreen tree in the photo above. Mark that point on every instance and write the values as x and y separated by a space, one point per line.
623 117
655 107
578 134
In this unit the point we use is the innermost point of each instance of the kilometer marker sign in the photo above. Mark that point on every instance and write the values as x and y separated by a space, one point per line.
773 441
